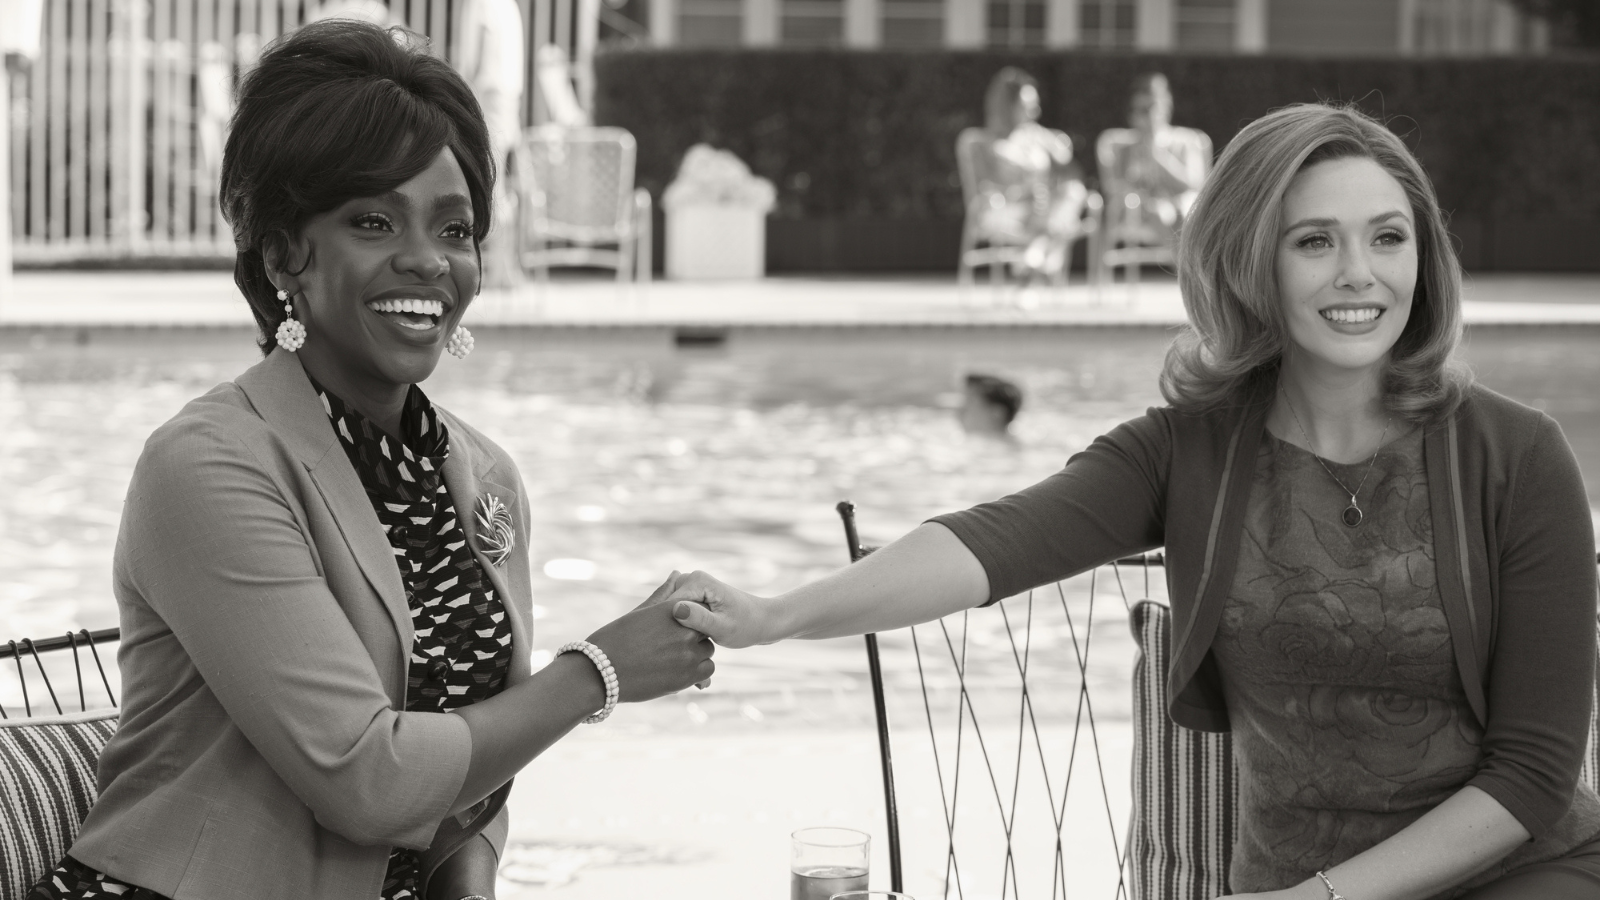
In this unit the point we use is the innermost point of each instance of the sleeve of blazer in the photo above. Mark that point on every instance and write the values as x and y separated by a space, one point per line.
1106 503
1544 635
216 550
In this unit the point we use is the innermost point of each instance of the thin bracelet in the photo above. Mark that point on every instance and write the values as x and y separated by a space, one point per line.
1332 894
473 897
607 674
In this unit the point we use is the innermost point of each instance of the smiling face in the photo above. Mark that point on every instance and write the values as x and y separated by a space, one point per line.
1346 267
386 280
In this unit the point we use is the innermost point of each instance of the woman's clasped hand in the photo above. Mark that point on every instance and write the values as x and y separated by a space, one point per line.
652 652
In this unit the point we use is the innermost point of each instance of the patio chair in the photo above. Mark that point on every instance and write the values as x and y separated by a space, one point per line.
576 203
1122 239
1182 808
983 246
48 761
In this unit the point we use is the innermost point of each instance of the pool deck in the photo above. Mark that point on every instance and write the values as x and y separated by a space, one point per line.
57 299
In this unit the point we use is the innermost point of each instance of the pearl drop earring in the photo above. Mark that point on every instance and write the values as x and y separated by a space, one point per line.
291 332
460 342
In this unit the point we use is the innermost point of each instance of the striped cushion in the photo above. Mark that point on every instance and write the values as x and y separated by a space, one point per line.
1185 786
47 783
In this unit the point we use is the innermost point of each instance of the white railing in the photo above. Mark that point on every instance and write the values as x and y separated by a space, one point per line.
117 128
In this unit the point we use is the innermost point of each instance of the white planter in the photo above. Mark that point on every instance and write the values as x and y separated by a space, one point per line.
716 243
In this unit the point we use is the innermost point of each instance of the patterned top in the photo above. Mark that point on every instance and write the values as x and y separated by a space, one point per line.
462 645
1348 714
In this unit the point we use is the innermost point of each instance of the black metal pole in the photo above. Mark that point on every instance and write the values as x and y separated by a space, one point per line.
847 512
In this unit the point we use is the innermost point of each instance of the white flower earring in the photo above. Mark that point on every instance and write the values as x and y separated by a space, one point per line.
291 333
460 342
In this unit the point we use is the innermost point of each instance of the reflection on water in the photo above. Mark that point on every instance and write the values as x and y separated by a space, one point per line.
640 457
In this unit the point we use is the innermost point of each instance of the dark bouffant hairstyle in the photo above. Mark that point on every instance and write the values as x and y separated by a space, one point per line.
337 110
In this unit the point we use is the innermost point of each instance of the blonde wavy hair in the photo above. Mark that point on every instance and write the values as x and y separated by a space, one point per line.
1227 256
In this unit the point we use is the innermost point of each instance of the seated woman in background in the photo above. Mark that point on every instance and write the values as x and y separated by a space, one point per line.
322 578
1382 575
1034 190
1160 166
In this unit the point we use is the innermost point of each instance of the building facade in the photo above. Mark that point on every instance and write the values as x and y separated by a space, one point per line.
1344 27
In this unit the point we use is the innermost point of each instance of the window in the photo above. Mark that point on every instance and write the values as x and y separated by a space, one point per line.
913 23
1106 23
812 23
1016 23
1205 24
711 23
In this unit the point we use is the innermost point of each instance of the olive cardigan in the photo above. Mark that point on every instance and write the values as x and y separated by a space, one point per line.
1513 540
263 749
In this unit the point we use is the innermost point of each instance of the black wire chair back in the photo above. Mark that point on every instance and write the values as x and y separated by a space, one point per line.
999 715
31 665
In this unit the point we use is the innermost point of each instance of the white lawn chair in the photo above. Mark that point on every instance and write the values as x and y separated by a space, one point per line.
576 203
1123 239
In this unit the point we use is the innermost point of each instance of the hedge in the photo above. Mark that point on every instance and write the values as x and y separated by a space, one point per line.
1513 144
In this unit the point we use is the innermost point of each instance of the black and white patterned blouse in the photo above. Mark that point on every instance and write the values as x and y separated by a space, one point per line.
462 644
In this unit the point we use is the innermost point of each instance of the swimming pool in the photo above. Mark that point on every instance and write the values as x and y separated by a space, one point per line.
641 455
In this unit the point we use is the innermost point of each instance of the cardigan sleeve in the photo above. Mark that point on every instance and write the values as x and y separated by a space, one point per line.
1542 662
1105 503
212 546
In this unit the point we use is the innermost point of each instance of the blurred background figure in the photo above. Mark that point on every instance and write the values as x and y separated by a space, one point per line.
489 56
1025 191
1162 164
553 73
989 404
1150 173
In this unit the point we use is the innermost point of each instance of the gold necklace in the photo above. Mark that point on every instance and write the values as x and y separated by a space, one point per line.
1352 513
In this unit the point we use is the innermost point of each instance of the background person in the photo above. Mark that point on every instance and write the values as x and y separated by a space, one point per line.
1160 164
1035 189
489 56
1382 576
322 579
989 404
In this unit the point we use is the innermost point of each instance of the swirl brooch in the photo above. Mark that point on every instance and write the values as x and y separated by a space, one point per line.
495 533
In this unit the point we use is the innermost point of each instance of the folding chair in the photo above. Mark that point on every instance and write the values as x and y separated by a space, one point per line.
576 203
48 761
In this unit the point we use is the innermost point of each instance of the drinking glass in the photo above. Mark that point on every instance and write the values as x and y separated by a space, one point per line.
871 895
827 861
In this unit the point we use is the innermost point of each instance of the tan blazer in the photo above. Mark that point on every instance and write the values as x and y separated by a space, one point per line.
262 750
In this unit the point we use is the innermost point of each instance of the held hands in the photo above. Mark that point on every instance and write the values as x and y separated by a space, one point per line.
652 653
724 614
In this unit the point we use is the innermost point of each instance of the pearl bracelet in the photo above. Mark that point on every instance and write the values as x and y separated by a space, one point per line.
607 674
1332 894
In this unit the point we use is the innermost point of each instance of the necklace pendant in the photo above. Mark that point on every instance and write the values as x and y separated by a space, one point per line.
1352 516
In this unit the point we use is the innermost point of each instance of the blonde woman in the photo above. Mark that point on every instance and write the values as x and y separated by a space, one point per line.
1382 575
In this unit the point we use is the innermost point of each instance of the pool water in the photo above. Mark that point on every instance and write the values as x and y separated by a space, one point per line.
642 456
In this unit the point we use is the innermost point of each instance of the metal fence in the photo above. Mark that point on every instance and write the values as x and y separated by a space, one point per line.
117 127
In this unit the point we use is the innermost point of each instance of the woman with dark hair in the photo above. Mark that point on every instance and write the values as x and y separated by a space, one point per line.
323 579
1033 190
1382 575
